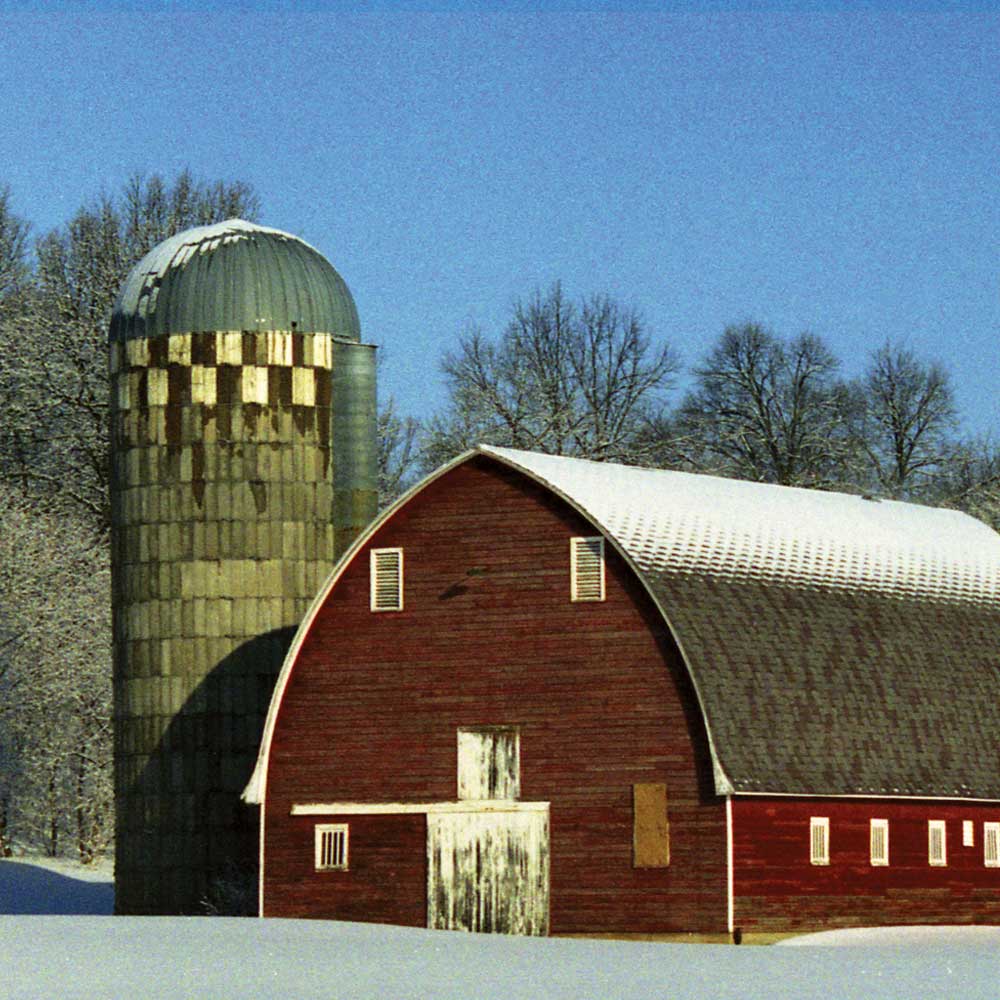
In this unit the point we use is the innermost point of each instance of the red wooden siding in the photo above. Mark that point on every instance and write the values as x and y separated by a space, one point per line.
489 636
777 889
375 878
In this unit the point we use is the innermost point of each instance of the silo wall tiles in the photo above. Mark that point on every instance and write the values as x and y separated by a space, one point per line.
222 504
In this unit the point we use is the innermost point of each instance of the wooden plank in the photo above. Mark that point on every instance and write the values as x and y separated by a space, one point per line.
650 828
411 808
488 872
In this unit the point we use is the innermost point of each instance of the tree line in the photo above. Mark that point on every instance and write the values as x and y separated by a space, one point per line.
56 297
587 377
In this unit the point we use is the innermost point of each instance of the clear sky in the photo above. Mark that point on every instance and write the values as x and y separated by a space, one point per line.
823 167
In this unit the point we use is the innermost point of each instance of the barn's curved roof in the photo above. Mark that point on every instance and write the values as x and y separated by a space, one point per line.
838 646
683 523
234 275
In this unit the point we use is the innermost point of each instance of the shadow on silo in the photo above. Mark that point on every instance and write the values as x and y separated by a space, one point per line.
187 844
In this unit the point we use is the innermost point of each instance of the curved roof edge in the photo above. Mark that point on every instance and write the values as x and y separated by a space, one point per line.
708 548
253 794
256 787
723 785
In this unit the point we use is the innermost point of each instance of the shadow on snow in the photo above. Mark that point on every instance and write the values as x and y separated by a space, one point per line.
30 889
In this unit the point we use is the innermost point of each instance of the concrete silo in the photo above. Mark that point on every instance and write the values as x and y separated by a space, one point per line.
243 463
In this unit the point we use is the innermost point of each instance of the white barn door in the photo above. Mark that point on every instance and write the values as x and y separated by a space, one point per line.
489 871
488 854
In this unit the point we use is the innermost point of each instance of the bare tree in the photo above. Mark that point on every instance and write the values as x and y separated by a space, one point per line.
903 420
572 380
766 410
152 209
14 277
55 681
397 453
968 480
54 375
13 252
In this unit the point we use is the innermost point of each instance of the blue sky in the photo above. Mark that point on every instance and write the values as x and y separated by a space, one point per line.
809 166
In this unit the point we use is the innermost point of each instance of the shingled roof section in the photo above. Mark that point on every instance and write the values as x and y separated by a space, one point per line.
838 645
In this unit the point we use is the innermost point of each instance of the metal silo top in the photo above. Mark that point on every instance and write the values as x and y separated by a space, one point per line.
234 275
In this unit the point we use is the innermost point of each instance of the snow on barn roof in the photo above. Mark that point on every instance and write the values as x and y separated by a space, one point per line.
687 523
838 645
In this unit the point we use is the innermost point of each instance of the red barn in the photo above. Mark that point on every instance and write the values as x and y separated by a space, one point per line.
542 695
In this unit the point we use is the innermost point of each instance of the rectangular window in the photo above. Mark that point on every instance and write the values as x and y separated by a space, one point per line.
991 845
387 579
331 847
650 826
489 763
819 840
586 569
937 851
880 842
968 833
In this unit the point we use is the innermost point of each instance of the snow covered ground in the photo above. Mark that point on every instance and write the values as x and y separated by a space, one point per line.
901 937
97 957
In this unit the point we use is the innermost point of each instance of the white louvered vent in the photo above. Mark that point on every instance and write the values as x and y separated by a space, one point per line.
936 848
991 845
880 842
387 579
587 569
331 846
819 840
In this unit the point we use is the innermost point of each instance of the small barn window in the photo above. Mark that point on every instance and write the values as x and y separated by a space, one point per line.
331 847
587 569
937 851
968 833
489 763
991 845
879 842
650 826
387 579
819 840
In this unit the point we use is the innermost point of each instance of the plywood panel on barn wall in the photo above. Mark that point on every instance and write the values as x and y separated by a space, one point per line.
651 830
490 637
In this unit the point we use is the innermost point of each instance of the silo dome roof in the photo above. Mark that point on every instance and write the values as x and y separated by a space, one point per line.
234 275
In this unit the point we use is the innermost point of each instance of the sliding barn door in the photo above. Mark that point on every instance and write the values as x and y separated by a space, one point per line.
488 871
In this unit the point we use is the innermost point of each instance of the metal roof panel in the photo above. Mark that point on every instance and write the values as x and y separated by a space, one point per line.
234 275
